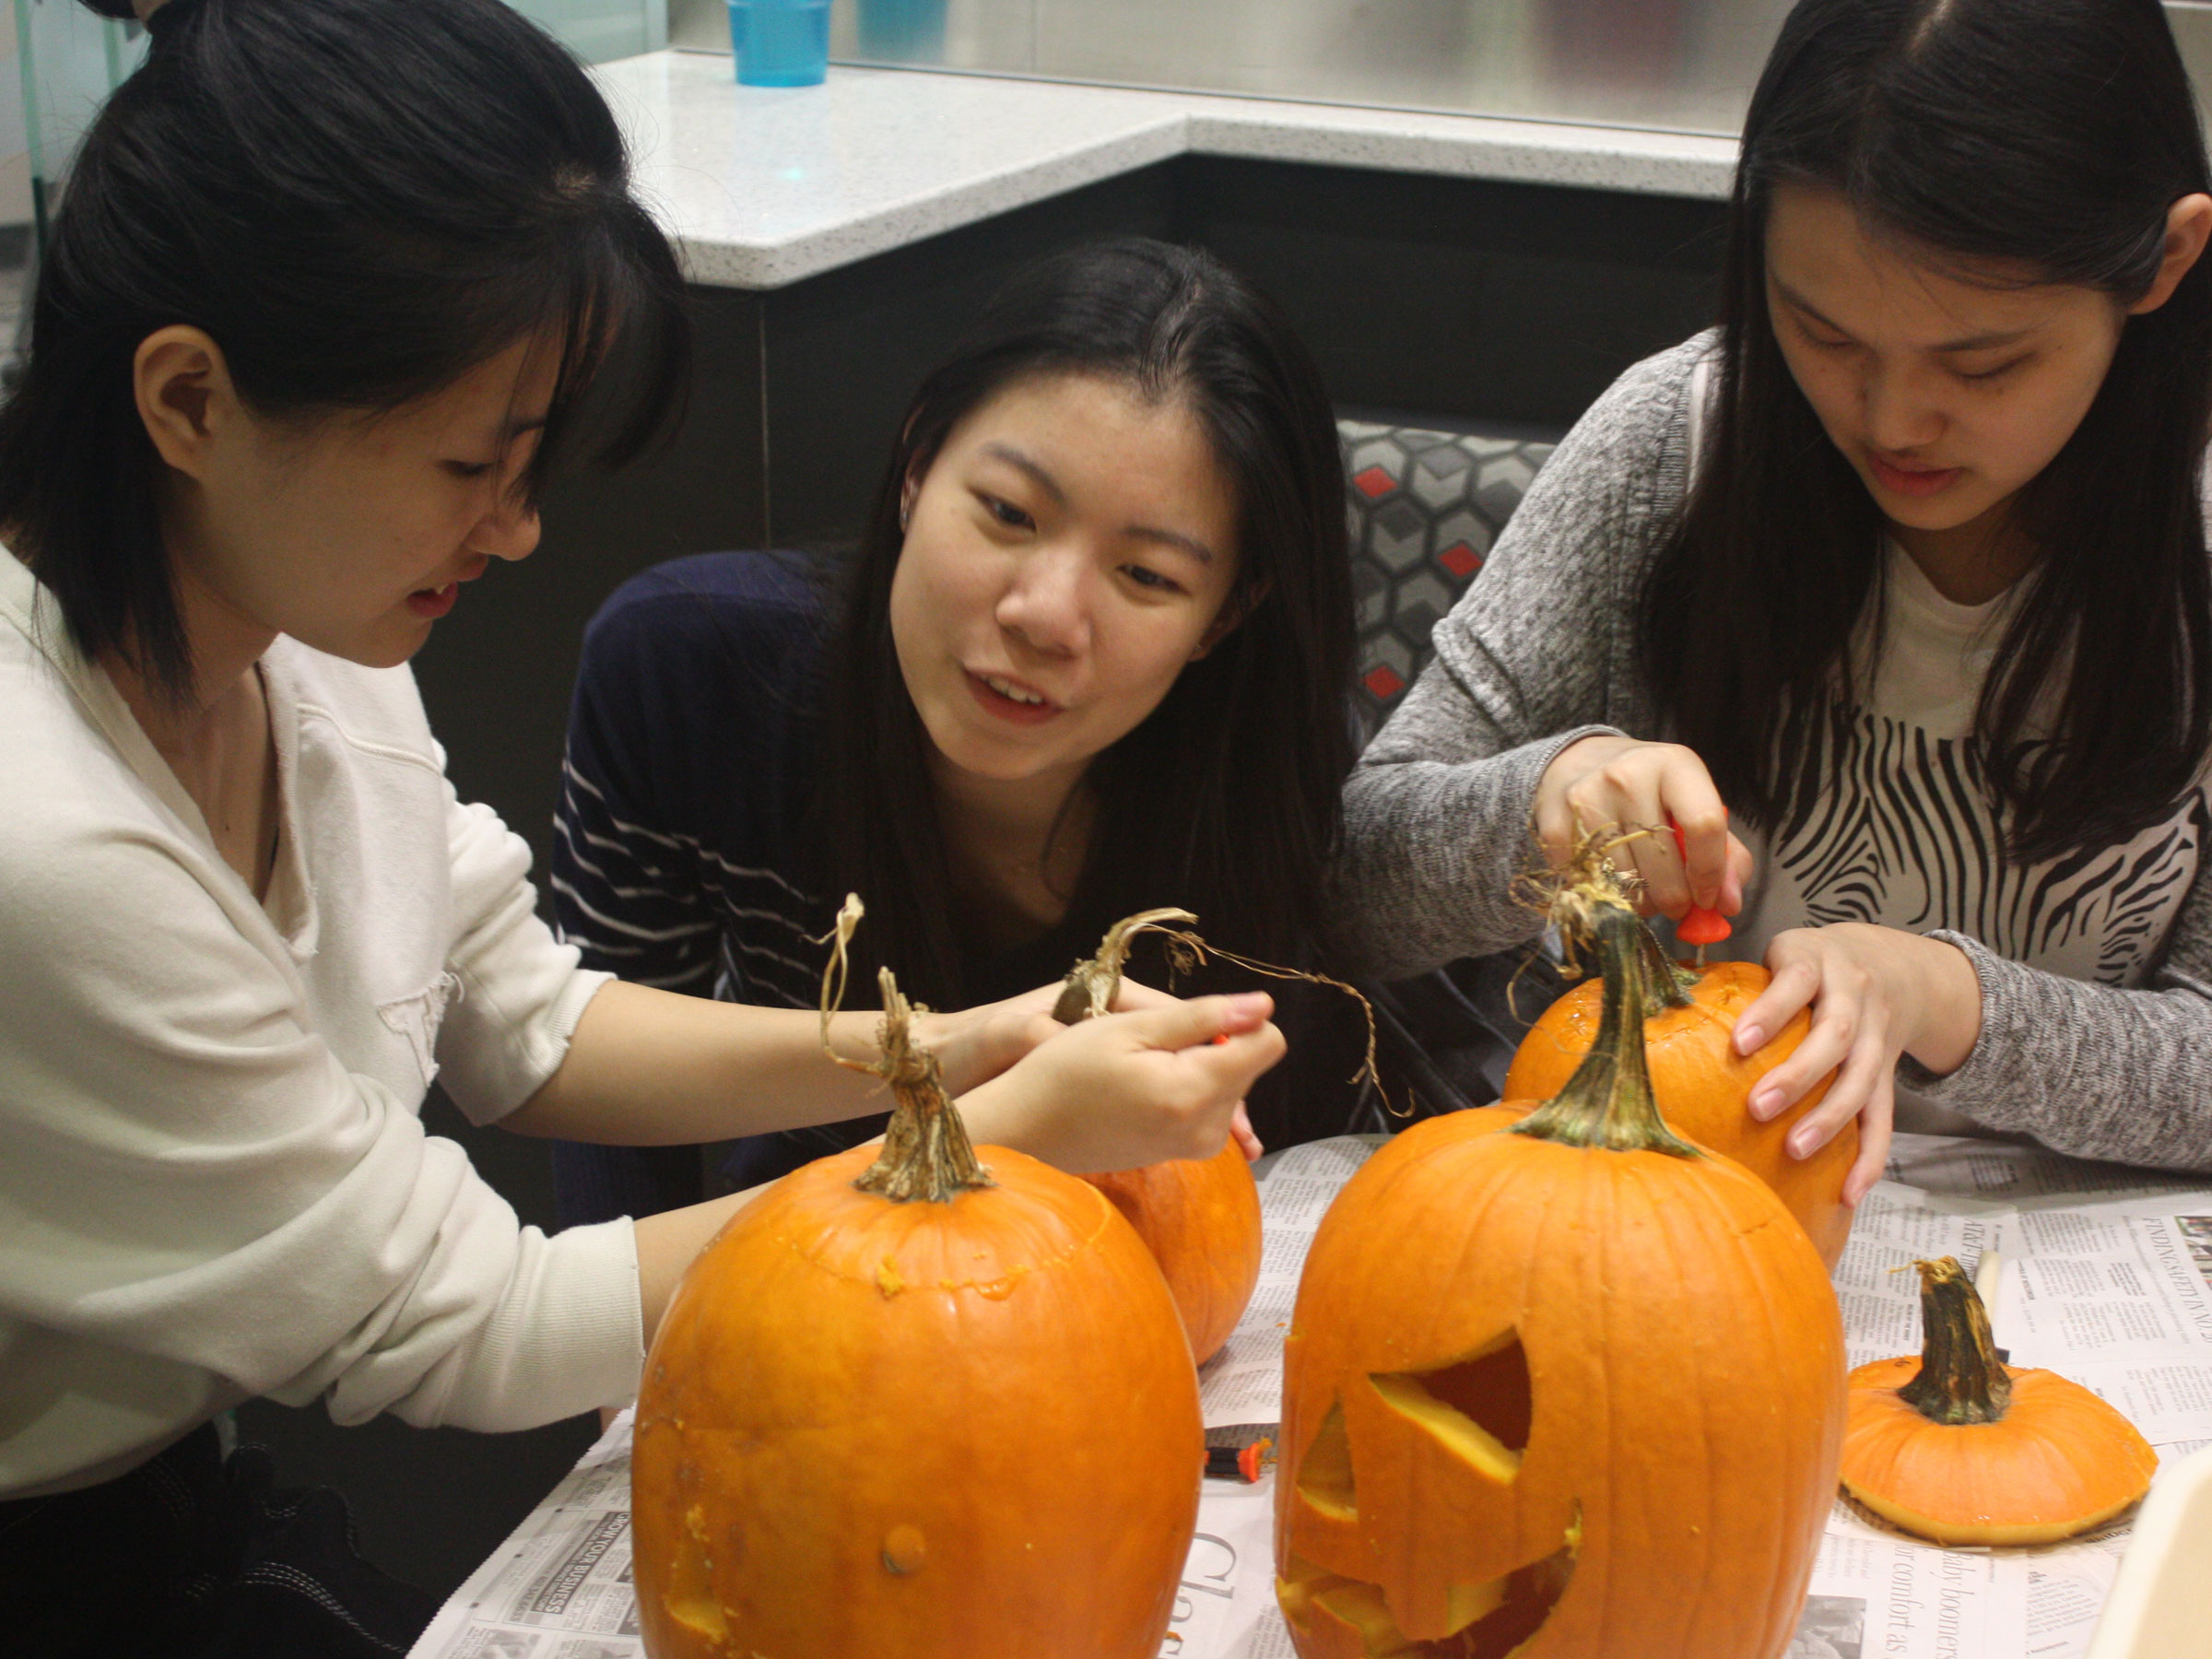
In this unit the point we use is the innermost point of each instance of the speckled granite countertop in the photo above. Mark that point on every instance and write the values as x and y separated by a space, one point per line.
763 187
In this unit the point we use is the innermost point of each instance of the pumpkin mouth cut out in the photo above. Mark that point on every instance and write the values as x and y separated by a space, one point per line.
1324 1478
1478 1409
1350 1619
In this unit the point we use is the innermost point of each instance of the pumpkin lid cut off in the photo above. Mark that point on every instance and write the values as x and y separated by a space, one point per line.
1955 1446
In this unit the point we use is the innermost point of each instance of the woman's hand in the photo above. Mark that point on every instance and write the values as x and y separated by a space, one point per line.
1132 1089
1876 992
976 1044
1626 783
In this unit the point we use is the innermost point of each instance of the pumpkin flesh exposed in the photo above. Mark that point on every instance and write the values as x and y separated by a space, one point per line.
1589 1382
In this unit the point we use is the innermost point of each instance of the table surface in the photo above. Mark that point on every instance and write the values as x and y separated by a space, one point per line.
763 186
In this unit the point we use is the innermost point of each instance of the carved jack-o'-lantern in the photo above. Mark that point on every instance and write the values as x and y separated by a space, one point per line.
1565 1388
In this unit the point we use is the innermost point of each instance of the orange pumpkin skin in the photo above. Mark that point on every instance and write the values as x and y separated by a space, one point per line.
1681 1407
2061 1461
1704 1086
1200 1219
917 1430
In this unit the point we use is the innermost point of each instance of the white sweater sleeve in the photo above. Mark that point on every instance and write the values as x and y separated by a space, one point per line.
194 1184
521 990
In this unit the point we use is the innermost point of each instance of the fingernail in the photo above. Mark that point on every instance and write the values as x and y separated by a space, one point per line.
1250 1005
1805 1143
1747 1039
1766 1104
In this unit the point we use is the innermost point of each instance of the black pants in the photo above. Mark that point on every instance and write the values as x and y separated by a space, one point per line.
196 1556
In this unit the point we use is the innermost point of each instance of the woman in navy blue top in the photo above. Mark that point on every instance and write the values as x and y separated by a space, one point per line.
1090 657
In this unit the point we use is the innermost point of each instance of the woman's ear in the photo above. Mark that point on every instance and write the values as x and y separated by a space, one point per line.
185 394
2188 226
1234 609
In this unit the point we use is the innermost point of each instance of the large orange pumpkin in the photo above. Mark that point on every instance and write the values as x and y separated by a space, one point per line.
1561 1388
917 1409
1955 1445
1200 1217
1704 1085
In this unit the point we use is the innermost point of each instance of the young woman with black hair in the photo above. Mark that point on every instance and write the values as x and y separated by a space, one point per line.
1900 576
1091 659
324 293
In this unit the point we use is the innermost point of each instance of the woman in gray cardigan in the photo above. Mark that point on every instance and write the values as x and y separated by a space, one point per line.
1892 592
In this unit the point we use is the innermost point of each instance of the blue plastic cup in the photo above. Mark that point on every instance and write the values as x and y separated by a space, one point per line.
781 42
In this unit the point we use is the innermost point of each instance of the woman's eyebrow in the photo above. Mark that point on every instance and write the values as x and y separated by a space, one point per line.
1172 538
1798 302
1986 340
1036 473
1044 480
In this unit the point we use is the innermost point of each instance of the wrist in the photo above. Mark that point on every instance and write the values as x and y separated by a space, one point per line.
993 1115
1950 1003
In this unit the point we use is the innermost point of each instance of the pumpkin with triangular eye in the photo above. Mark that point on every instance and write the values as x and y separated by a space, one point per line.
1558 1386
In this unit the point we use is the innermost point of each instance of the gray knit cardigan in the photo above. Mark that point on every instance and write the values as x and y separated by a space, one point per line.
1541 652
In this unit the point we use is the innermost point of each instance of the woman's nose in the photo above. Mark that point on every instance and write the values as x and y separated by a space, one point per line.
1899 413
1045 603
507 532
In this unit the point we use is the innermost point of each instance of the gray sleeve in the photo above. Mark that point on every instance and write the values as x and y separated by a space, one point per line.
2094 1070
1537 653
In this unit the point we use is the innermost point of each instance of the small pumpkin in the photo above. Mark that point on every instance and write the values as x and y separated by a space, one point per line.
1559 1385
1200 1217
1954 1445
1704 1086
907 1406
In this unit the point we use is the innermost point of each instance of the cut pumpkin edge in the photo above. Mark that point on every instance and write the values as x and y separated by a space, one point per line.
1938 1530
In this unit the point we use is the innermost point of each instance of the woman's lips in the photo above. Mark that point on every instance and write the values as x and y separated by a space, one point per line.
433 603
1912 480
1009 709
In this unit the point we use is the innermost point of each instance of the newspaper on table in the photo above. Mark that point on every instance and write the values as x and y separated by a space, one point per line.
2105 1277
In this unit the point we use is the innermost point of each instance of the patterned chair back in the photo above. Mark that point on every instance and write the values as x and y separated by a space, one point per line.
1426 507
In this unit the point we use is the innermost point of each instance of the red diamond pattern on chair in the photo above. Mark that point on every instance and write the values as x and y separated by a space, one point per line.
1373 483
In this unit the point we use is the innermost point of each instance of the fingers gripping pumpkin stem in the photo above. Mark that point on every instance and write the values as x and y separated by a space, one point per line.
1608 1102
926 1153
1091 985
1960 1378
1668 984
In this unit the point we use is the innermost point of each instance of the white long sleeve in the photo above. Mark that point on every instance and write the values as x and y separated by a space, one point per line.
214 1178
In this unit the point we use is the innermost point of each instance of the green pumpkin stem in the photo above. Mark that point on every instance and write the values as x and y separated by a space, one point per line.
926 1155
1960 1378
1608 1102
1668 984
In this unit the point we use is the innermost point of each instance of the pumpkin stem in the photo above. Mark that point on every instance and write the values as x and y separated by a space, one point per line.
1608 1102
926 1154
1960 1379
1668 984
1089 988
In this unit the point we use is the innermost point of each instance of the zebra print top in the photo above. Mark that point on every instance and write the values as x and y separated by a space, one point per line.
1905 836
2096 970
